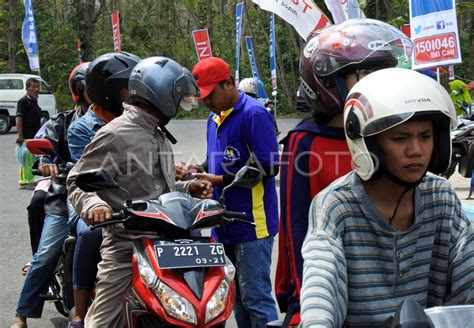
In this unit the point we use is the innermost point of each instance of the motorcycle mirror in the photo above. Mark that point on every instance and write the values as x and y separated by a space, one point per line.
246 177
95 180
409 315
40 147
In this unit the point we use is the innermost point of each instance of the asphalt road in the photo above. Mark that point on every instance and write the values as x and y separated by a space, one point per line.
14 238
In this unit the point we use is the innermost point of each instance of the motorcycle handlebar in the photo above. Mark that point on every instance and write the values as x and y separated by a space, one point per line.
61 171
235 215
116 218
240 217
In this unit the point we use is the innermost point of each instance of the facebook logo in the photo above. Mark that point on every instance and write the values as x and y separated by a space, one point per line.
440 25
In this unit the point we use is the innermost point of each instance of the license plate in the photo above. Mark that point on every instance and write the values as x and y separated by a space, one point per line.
172 256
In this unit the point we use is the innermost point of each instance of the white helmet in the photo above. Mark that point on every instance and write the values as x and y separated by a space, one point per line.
390 97
249 86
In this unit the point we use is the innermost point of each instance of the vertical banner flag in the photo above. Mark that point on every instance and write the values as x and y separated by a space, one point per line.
342 10
239 8
434 32
202 43
273 70
116 30
28 35
353 9
303 15
253 64
338 10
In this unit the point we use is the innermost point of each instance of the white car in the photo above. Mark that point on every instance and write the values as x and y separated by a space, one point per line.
12 88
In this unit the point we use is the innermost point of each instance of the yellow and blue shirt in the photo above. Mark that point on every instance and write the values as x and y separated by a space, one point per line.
240 136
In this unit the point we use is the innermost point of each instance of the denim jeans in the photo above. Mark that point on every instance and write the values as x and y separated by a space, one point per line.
30 304
86 256
36 218
254 304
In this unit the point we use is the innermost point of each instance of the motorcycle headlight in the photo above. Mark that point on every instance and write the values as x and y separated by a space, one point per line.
147 274
216 304
229 270
174 304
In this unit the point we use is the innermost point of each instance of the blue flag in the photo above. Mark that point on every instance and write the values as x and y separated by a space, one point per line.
28 34
239 8
273 70
253 64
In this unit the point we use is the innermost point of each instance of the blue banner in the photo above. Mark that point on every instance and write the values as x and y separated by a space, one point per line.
253 64
28 33
239 8
273 71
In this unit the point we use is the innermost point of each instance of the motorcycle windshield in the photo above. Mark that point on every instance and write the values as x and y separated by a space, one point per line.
177 207
451 316
206 214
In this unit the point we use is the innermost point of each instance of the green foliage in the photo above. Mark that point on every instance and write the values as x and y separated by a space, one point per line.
58 56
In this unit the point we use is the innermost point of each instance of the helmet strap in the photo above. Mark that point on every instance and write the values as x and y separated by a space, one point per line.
168 134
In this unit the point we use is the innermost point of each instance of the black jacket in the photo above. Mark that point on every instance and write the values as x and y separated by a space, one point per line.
56 133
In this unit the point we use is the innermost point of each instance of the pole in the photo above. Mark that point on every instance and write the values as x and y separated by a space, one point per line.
274 94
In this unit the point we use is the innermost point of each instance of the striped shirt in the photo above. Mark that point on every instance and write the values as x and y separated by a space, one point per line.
358 269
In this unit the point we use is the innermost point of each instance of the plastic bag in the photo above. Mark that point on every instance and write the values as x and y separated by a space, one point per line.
21 152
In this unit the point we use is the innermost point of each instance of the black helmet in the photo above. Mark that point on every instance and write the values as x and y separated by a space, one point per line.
163 84
106 76
77 83
338 50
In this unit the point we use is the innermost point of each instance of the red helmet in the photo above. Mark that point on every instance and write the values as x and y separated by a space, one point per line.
333 52
77 83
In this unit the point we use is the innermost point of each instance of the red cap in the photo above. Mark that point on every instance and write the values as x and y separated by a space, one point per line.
208 72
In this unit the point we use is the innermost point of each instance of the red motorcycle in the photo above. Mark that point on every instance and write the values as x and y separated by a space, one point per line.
180 278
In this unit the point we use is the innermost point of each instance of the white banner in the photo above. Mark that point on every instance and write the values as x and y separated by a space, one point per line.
342 10
303 15
434 32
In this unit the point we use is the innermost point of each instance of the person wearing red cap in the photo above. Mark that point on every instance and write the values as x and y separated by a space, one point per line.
240 132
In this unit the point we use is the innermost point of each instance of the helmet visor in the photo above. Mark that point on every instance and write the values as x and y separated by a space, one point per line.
187 103
356 41
187 91
385 123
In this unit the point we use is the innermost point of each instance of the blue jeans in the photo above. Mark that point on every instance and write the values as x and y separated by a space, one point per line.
86 256
254 304
30 304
